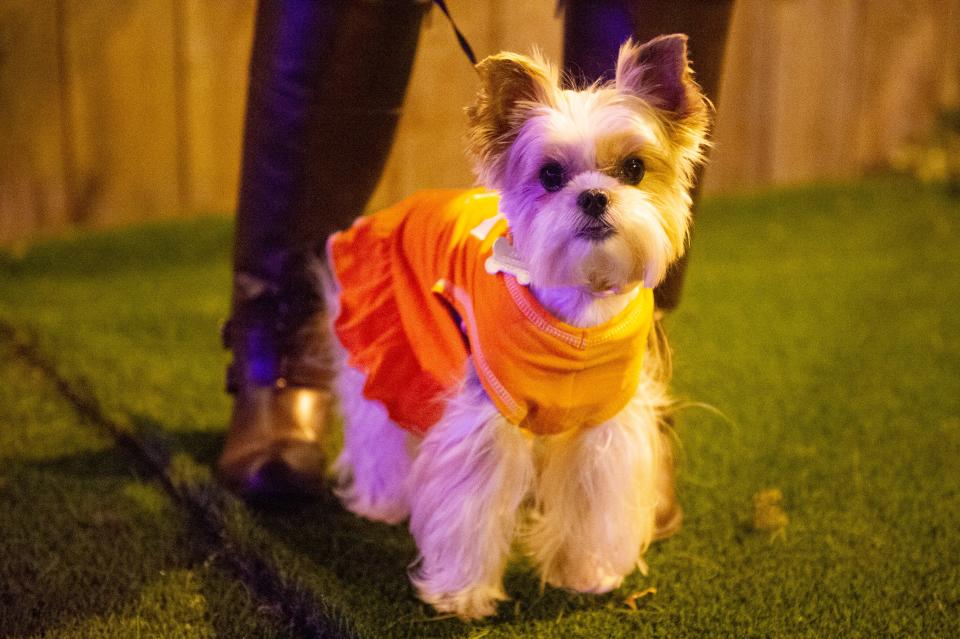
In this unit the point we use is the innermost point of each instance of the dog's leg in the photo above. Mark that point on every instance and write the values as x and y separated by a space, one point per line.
669 514
597 498
373 470
472 472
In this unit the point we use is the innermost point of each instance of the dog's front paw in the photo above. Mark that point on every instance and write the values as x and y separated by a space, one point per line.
586 576
381 501
378 493
468 604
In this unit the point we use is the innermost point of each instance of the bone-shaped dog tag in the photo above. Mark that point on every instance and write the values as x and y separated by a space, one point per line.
505 260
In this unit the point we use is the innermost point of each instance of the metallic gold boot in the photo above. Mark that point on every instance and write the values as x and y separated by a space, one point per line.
280 379
273 446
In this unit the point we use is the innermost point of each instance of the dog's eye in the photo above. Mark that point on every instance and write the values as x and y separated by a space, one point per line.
631 171
551 176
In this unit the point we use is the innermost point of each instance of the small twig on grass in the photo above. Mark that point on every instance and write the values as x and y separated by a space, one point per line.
631 599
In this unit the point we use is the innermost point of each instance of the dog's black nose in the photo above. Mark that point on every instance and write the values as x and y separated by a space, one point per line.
593 202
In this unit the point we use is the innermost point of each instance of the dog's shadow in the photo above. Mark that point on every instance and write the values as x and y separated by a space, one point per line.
362 565
371 560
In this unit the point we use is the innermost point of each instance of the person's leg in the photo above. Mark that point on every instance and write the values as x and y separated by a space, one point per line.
327 79
593 32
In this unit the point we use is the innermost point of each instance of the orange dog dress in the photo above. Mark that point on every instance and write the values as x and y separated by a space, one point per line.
416 302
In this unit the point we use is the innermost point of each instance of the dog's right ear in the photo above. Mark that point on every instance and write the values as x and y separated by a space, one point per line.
659 73
510 86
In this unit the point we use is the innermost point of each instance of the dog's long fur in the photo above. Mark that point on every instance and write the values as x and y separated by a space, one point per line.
586 502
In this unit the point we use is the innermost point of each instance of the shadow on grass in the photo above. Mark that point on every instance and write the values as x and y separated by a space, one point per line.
82 542
370 560
91 547
204 447
101 464
366 563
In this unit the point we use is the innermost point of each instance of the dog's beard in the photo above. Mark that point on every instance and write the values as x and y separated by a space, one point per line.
558 254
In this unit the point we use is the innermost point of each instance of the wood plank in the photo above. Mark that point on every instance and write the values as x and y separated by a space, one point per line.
743 129
32 180
218 40
122 87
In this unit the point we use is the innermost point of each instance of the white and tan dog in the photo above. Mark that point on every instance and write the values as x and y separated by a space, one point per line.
502 374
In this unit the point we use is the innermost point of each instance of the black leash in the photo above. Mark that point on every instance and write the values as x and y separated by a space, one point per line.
462 39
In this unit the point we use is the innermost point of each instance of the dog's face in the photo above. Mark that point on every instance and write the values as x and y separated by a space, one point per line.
594 182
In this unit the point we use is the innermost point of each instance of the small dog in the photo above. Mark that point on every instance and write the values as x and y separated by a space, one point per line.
501 370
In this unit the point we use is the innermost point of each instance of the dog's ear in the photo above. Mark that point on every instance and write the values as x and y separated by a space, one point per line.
510 86
659 72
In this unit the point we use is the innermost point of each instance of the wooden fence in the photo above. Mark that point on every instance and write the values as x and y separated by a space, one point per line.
114 111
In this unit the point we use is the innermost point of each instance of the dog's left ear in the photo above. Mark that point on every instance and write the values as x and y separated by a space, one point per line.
659 72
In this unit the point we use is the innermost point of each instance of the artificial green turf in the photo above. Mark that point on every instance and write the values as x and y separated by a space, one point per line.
88 546
818 325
